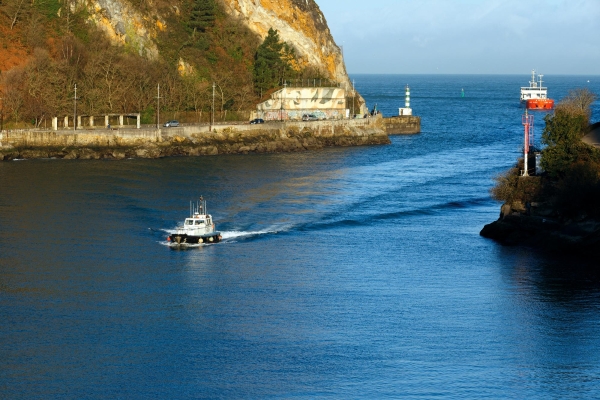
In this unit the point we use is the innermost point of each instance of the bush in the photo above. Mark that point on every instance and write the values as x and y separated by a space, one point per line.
511 187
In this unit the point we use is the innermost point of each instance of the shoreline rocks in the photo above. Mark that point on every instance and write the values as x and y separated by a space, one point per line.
524 227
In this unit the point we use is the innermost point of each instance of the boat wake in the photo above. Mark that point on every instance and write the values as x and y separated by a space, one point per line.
231 235
228 236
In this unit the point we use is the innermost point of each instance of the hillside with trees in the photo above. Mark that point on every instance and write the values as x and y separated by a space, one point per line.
49 46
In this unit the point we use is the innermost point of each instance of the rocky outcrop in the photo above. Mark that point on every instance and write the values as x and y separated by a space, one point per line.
124 25
538 226
299 23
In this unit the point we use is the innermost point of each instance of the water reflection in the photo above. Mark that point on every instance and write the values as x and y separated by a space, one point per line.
551 277
554 313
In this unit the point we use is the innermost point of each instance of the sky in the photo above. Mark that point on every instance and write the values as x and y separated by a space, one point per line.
559 37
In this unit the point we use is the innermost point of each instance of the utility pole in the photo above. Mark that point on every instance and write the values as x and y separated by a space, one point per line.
2 115
353 94
212 110
158 106
282 100
75 109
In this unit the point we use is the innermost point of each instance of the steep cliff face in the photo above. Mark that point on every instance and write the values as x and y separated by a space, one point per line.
300 23
124 25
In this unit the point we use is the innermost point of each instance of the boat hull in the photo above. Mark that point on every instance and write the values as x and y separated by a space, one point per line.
183 240
539 104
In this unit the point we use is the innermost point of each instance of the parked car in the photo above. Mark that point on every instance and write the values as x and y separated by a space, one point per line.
172 123
257 121
309 117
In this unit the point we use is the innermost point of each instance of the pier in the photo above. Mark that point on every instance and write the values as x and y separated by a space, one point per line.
402 125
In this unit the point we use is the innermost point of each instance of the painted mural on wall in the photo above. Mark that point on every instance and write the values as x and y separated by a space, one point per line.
296 115
294 103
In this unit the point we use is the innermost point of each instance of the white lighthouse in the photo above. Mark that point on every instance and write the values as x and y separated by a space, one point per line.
406 110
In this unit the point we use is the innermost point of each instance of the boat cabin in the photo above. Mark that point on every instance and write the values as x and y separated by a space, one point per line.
535 90
194 221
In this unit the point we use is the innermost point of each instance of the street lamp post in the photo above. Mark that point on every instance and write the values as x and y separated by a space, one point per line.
75 109
282 100
353 94
212 110
158 106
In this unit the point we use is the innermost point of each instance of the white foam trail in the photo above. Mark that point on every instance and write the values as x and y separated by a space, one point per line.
228 234
237 234
187 246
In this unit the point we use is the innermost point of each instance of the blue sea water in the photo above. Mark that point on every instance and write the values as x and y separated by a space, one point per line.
344 273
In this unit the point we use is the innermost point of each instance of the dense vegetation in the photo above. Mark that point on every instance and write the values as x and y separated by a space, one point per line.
571 181
64 48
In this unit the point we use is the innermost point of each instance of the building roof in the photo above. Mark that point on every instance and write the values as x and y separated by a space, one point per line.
593 138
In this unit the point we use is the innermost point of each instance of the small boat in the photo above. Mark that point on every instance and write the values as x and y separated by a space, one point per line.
535 96
199 228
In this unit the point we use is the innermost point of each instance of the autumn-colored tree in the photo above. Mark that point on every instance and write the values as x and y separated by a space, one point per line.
12 100
202 46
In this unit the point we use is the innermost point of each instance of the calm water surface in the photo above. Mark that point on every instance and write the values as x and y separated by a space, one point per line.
344 273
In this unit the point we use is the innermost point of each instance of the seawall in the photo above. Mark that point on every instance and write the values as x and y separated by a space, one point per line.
194 140
402 125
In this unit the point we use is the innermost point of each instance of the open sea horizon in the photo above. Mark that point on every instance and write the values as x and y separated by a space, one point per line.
344 272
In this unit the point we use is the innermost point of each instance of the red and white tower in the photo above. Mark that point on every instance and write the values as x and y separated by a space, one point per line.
528 124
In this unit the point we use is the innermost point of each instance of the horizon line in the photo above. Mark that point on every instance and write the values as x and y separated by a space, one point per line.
472 73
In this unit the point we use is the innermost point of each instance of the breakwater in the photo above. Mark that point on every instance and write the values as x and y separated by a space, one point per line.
402 125
194 140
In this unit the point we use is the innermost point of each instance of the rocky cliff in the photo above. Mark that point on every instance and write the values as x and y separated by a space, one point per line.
300 23
126 25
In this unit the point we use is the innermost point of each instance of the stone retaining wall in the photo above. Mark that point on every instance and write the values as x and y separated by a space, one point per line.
402 125
191 140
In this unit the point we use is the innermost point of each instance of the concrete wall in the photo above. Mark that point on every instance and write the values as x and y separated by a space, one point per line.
136 137
292 103
118 137
402 125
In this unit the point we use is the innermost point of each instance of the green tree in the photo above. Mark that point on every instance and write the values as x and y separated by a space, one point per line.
202 15
563 133
573 167
271 61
